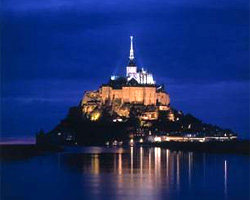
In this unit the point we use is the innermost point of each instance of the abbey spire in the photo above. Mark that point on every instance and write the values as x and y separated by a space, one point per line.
131 68
141 76
131 54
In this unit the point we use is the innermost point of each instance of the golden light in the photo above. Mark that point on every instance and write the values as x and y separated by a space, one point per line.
95 116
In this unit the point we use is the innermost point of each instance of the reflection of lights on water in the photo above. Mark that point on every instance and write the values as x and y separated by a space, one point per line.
167 159
120 164
131 159
141 159
158 152
167 168
141 166
178 171
159 168
157 159
95 164
114 163
190 159
120 176
132 166
149 162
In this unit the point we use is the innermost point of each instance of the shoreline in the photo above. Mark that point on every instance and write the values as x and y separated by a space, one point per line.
25 151
231 147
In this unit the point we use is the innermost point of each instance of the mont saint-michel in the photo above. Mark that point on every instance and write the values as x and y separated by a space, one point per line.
128 110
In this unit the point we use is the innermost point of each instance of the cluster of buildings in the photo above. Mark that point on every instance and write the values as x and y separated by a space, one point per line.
190 138
138 88
156 139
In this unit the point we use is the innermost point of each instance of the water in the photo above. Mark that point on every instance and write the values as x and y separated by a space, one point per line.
132 173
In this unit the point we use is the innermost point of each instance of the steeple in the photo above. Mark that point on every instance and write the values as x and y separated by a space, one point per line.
131 54
141 76
131 68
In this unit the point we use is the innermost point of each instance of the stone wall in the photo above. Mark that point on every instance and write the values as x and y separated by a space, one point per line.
91 96
105 93
133 95
128 94
163 98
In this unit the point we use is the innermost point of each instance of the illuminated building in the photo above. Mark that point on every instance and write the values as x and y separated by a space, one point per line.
140 76
138 87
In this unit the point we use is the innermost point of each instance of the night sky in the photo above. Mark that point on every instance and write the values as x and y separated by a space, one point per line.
52 51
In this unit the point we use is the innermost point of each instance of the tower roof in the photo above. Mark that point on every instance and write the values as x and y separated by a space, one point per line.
131 53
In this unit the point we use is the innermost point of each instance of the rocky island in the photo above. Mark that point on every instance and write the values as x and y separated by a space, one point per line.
130 110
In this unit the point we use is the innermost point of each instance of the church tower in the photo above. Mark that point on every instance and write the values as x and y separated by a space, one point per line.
141 76
131 68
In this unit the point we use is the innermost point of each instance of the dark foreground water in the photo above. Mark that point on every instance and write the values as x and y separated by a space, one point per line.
132 173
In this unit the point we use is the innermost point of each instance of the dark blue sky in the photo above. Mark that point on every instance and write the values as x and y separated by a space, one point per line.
52 51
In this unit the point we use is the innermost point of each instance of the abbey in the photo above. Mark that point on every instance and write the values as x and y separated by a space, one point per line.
138 87
130 109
